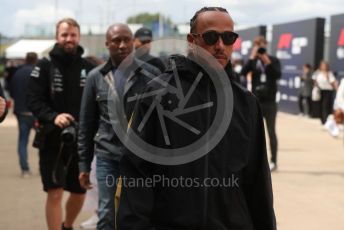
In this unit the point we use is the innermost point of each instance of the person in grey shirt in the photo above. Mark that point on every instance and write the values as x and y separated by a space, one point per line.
306 90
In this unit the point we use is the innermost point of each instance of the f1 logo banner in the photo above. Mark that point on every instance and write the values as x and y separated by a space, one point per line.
337 44
243 45
295 44
287 42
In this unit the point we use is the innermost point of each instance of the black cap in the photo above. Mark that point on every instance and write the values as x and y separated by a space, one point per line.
143 34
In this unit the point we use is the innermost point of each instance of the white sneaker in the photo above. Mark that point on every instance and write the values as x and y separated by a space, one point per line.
273 166
26 174
90 223
332 127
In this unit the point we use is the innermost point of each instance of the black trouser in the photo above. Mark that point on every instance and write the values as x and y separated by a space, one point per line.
326 104
305 105
269 110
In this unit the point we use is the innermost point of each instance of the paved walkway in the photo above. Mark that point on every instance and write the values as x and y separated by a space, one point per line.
308 187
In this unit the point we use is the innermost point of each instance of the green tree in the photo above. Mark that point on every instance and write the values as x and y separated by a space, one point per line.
147 19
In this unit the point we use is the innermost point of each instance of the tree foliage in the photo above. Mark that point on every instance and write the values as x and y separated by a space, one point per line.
147 19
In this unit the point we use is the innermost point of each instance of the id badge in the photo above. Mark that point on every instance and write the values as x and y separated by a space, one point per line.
263 77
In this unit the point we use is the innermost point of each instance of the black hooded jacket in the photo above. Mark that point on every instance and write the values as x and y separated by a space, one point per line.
56 86
245 203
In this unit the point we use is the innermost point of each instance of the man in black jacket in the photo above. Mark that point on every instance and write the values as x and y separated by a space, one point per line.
266 70
97 136
204 170
142 43
54 97
3 108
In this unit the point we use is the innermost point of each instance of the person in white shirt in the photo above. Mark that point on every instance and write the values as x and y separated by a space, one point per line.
326 81
338 115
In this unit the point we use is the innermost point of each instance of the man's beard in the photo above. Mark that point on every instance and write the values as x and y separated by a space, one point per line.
213 63
69 48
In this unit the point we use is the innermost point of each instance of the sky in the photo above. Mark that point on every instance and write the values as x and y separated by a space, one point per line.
15 14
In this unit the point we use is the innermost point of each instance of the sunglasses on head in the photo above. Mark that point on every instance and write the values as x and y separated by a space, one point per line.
211 37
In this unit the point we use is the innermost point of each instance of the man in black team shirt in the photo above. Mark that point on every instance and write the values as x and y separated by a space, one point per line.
54 97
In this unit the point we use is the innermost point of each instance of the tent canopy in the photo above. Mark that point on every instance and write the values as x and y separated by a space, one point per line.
19 49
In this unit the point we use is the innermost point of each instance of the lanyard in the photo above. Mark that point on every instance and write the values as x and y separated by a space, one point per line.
260 66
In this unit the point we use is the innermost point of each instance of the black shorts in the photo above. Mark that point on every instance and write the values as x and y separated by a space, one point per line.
60 170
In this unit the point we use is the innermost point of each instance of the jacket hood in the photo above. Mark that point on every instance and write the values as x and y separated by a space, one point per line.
58 53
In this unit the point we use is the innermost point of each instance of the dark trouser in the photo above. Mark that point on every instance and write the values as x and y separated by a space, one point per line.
305 105
269 110
326 104
25 124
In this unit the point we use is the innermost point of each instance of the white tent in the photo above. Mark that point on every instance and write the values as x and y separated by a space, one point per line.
19 49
